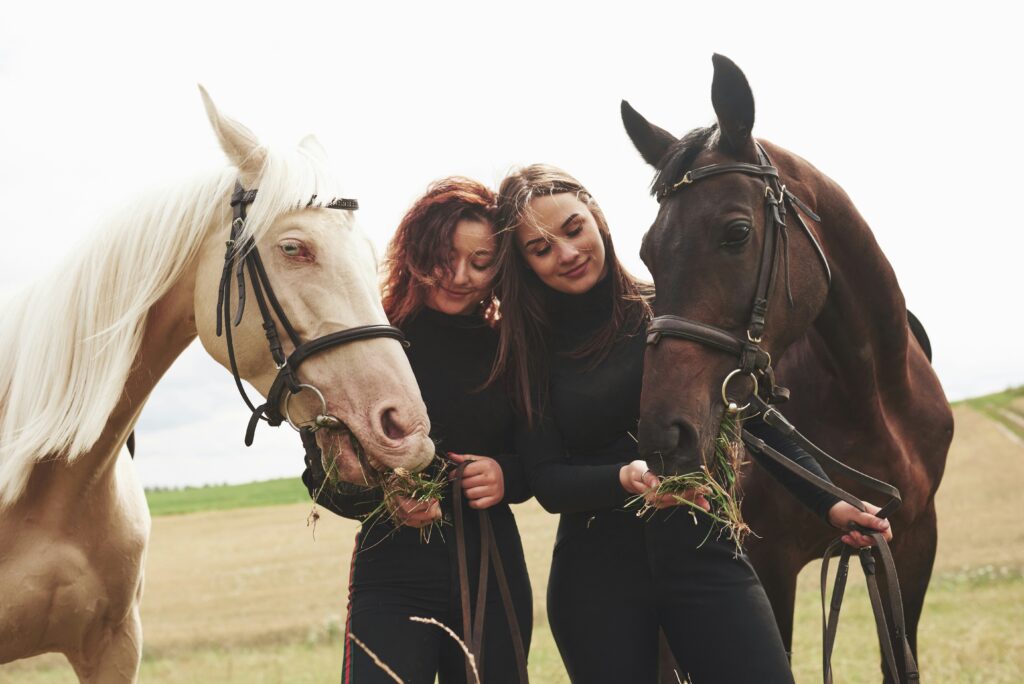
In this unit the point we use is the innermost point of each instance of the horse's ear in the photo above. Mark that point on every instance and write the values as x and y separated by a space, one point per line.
238 142
734 105
650 141
311 145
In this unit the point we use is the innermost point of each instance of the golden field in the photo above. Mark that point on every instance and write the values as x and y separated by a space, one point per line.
248 595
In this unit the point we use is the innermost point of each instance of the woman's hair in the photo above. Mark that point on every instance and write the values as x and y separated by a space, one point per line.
523 349
422 244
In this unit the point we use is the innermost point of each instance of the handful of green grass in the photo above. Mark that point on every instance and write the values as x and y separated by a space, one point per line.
717 481
422 488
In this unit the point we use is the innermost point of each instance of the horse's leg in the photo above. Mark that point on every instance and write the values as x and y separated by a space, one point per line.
914 554
117 658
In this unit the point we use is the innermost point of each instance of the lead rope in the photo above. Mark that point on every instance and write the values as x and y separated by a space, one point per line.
472 627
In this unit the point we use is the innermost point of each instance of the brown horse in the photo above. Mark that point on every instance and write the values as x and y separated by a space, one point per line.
836 324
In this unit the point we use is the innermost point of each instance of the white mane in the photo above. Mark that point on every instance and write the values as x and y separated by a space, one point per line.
67 342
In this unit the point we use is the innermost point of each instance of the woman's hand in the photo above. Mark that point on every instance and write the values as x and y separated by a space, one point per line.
842 514
483 482
636 478
413 513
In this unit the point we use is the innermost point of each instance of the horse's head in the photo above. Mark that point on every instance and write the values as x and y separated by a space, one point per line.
707 251
323 271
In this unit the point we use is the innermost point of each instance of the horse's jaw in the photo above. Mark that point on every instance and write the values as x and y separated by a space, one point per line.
343 456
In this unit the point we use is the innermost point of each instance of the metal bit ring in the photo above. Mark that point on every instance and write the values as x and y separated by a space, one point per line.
322 419
730 405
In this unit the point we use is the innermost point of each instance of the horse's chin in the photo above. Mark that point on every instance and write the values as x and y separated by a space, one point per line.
674 462
343 454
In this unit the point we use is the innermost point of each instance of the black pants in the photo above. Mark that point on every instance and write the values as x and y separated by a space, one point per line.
616 579
395 576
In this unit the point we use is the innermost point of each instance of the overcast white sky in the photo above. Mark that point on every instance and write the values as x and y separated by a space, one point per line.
913 108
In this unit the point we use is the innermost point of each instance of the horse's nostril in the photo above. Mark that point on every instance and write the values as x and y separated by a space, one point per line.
671 438
685 437
670 446
390 425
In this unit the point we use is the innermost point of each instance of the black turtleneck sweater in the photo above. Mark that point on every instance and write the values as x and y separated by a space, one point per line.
587 430
451 357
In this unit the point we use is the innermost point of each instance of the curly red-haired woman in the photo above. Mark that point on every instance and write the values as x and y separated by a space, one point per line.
439 290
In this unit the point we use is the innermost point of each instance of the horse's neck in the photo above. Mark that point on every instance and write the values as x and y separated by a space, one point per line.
863 322
169 328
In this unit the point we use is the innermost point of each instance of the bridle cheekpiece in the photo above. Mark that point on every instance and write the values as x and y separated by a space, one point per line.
242 256
754 361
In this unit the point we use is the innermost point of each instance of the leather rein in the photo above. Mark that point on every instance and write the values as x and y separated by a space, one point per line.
242 256
473 620
755 363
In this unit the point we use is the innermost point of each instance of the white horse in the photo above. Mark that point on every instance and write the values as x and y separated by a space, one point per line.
81 350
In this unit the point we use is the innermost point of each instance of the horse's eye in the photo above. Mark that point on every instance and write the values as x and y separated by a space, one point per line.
293 248
736 234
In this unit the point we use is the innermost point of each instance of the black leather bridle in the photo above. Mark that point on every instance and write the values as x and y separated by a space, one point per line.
754 360
241 256
756 363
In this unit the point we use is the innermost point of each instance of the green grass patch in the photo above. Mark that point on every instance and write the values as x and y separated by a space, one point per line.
999 399
288 490
969 630
997 406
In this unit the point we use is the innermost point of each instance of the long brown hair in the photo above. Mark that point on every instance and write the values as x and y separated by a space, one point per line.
523 341
421 246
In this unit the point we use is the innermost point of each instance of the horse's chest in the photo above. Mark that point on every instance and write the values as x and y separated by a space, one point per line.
73 570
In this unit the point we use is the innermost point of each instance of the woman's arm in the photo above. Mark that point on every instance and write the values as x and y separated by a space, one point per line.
833 510
517 484
560 486
810 496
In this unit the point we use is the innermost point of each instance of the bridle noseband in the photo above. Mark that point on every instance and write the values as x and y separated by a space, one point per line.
242 256
755 361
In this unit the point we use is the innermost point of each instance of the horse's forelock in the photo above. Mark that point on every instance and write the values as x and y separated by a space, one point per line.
682 154
290 180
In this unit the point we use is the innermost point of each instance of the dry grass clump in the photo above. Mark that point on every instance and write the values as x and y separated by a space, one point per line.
422 487
718 482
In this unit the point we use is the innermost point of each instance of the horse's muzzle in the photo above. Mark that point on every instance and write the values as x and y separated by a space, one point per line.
672 449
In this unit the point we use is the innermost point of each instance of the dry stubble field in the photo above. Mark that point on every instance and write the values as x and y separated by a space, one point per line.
249 596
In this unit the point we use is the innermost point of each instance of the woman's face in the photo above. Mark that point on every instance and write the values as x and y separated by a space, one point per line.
562 244
472 270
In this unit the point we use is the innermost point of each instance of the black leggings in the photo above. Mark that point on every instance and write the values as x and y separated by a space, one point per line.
397 577
615 580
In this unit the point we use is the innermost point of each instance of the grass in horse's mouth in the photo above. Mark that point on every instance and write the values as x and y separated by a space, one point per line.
419 487
371 468
717 481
